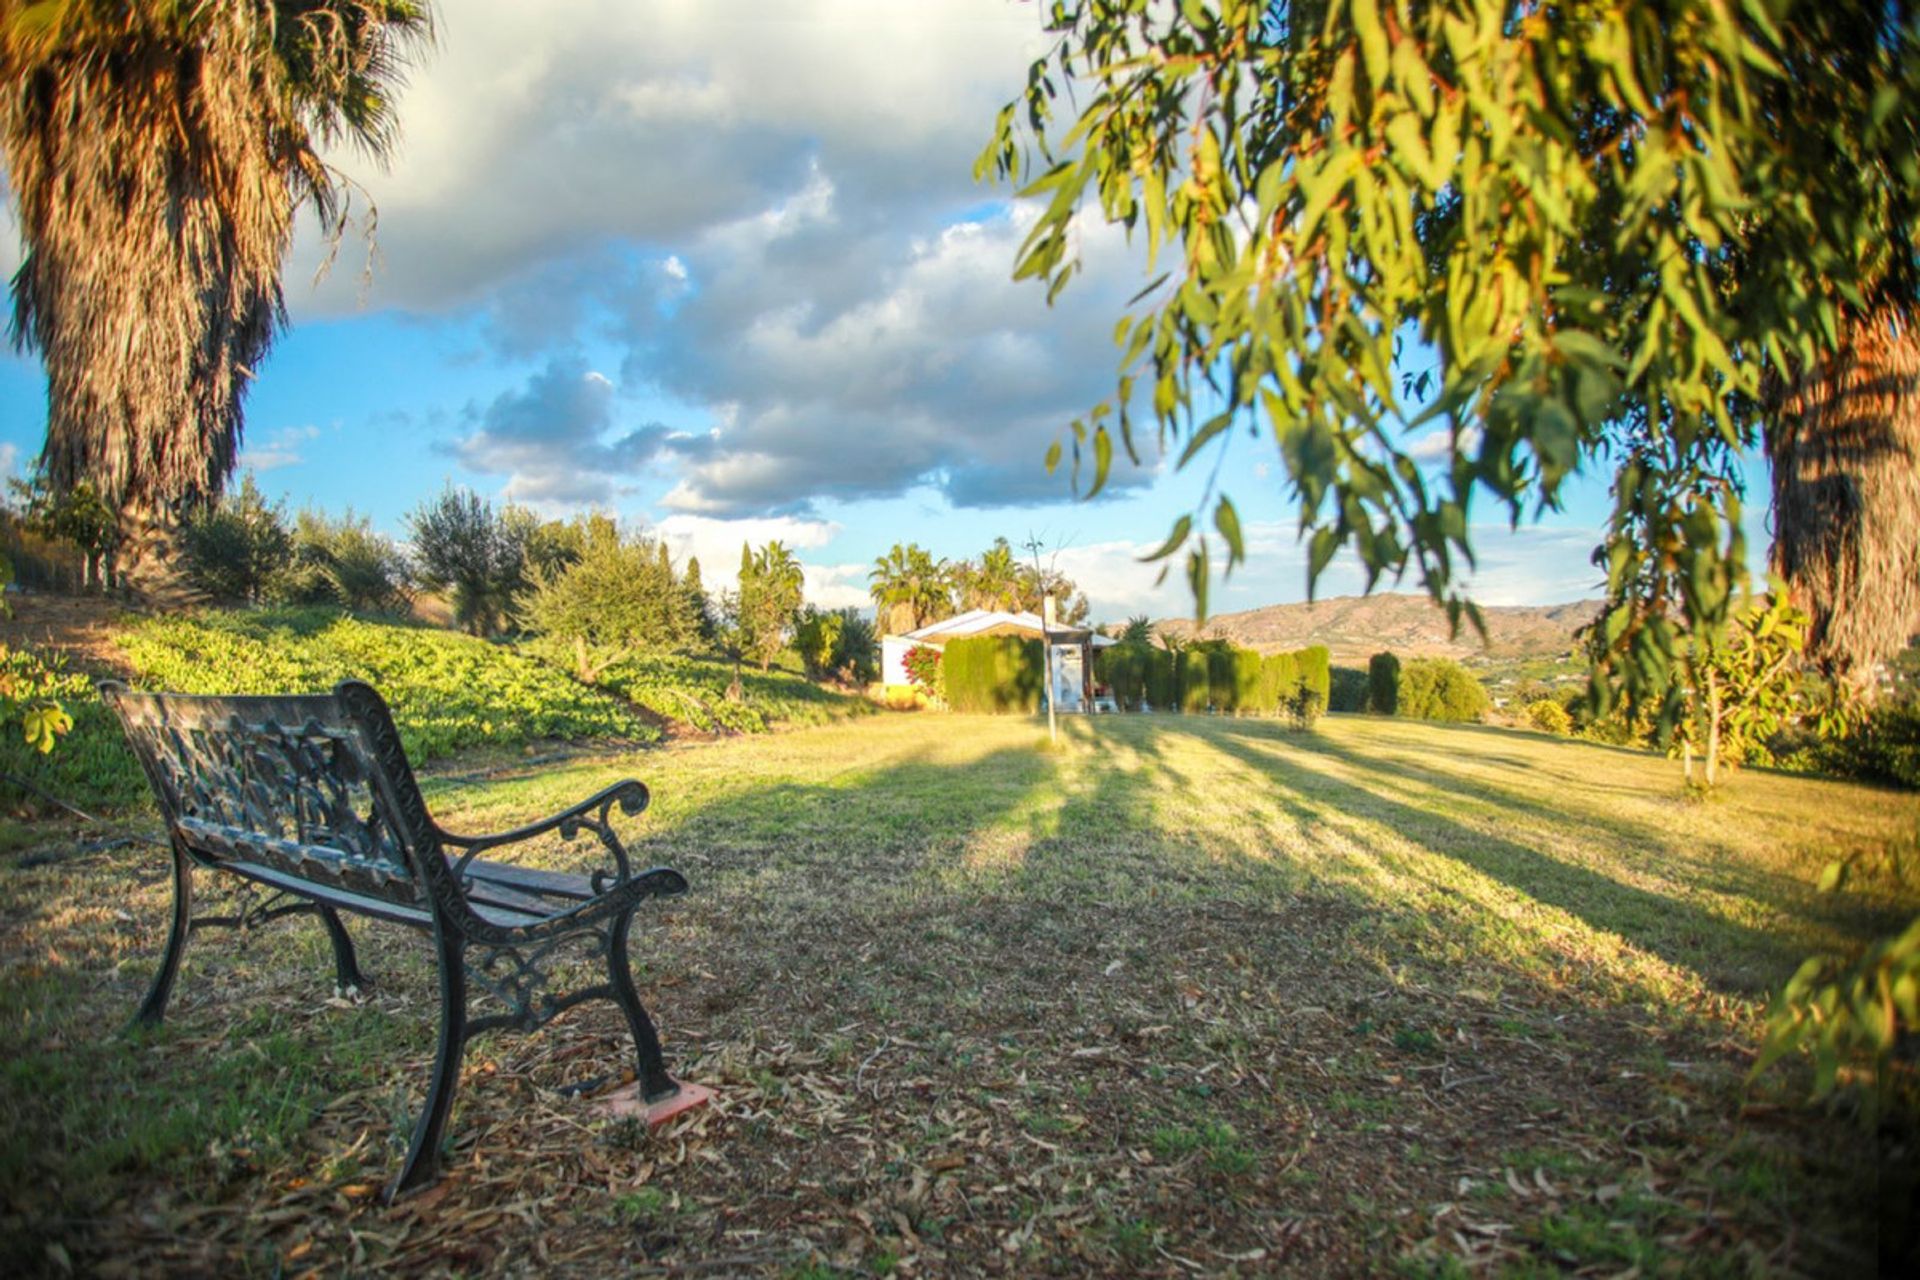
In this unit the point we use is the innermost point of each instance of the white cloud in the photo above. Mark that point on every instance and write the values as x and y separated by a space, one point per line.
769 208
838 586
280 449
1438 445
9 459
716 543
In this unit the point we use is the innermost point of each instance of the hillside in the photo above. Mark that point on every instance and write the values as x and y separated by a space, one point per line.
1354 627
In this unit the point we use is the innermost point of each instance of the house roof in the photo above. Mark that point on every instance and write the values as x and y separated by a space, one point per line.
977 621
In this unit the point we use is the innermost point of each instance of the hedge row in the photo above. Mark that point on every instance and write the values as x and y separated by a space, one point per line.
1424 689
994 674
1214 675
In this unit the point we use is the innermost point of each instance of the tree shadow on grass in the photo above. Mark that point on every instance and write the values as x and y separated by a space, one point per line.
1731 957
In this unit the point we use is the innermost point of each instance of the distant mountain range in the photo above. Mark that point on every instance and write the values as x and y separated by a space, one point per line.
1356 627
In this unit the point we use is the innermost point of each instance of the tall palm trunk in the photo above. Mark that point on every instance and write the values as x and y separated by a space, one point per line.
1844 440
155 153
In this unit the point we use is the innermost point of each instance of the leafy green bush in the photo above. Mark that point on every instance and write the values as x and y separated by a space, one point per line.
1316 676
1247 687
90 765
1440 689
1346 689
1548 716
1883 746
343 561
617 595
1279 681
1161 679
1383 684
448 691
994 674
236 549
1195 692
1124 668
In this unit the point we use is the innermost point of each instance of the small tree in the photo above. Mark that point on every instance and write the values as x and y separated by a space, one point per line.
770 594
343 561
617 597
77 516
1743 690
816 638
463 546
1383 684
235 549
856 654
699 607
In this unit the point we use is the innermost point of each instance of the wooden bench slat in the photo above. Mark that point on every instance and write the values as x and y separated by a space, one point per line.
554 884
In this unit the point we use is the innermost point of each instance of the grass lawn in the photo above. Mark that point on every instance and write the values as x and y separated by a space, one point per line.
1183 996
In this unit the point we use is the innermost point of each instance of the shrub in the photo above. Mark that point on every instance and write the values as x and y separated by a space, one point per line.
816 635
1247 685
1307 706
619 595
344 562
1883 747
236 548
1440 689
1161 682
1316 675
1383 684
1548 716
994 674
1346 689
923 667
1124 668
1279 681
856 652
90 765
479 555
1192 669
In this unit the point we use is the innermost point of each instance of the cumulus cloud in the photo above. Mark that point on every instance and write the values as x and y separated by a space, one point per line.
9 459
857 362
555 439
768 208
716 543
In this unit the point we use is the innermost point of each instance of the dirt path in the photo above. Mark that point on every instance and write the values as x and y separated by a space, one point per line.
78 627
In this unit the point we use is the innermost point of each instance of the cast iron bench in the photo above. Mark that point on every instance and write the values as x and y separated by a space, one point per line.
312 797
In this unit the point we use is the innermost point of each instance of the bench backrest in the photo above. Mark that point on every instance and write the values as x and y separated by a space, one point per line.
315 786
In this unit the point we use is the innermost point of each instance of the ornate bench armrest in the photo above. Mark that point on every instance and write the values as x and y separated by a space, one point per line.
593 814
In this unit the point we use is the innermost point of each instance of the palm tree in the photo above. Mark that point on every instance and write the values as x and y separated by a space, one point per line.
992 582
157 153
912 587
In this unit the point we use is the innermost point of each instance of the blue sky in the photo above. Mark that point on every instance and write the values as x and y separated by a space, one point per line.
720 267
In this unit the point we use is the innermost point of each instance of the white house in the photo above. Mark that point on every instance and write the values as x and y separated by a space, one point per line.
1072 649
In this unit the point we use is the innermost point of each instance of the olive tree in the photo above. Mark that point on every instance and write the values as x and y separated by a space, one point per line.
1644 240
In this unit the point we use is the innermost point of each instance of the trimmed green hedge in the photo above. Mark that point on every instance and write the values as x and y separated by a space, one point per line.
1440 689
1383 684
994 674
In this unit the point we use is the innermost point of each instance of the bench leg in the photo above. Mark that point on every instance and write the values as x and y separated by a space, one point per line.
423 1157
347 978
154 1007
655 1083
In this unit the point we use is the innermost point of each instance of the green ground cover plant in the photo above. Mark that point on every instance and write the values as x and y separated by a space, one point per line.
1391 998
448 691
693 691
